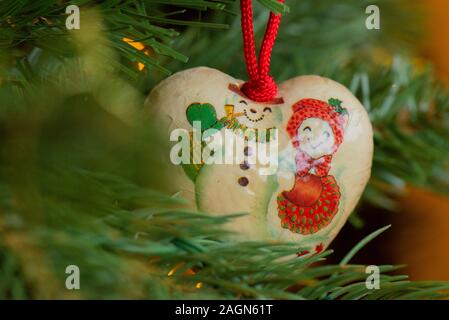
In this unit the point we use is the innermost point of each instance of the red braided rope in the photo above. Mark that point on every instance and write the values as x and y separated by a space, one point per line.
261 86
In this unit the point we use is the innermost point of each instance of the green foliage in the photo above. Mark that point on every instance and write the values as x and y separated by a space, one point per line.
81 180
126 247
409 114
12 284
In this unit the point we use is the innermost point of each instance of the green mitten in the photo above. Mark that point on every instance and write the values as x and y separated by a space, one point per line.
205 113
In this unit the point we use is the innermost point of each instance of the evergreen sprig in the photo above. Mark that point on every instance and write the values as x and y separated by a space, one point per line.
124 248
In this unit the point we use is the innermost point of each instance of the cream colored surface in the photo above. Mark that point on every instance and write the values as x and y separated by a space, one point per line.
217 187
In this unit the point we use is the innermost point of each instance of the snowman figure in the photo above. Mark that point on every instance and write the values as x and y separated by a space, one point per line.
238 187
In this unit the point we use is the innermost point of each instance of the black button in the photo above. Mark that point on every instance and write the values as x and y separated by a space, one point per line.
244 166
243 181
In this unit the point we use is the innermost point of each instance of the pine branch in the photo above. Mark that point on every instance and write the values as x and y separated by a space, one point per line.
181 253
409 112
12 284
33 24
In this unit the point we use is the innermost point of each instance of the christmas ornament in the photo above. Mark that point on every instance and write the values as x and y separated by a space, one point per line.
315 135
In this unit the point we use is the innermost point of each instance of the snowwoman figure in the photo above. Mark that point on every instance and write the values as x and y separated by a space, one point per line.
316 130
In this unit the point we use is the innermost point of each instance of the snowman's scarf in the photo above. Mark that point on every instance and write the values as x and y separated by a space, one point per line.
249 134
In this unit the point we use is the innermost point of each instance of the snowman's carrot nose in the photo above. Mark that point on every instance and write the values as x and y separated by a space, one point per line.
229 110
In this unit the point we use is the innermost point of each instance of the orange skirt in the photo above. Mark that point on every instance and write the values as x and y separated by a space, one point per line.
312 214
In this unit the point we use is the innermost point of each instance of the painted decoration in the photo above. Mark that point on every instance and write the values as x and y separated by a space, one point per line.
316 129
317 142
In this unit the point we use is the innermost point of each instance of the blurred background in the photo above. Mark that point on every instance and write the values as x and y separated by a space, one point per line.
420 233
80 162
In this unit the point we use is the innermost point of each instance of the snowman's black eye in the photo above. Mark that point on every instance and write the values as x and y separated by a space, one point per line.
327 134
267 109
243 101
307 129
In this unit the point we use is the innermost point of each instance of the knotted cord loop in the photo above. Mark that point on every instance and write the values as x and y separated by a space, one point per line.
261 87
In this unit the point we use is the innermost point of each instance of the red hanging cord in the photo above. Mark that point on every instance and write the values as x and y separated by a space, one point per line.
261 86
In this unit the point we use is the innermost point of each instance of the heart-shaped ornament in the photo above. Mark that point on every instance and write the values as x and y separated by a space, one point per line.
304 162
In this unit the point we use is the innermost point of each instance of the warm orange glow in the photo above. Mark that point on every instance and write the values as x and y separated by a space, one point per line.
139 46
199 285
436 46
190 272
175 268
